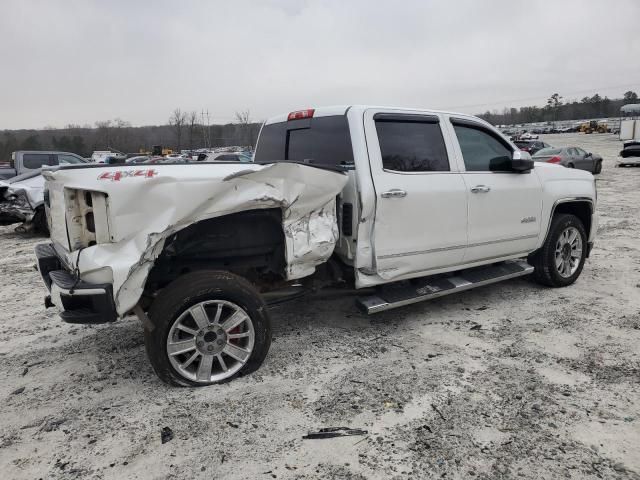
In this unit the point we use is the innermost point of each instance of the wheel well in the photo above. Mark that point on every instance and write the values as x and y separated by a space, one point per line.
580 209
250 244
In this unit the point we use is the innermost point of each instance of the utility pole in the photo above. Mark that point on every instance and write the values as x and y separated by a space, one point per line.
205 131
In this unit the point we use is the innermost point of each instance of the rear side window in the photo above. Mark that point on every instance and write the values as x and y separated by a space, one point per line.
318 141
548 151
481 151
35 160
412 146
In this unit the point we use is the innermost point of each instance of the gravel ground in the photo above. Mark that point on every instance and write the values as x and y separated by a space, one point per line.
507 381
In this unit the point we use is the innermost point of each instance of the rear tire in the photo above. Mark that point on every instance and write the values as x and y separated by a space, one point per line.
40 222
229 333
559 262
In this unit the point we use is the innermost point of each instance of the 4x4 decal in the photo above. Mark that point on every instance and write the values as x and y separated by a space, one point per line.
116 176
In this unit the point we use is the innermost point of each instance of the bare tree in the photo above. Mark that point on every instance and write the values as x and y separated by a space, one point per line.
103 128
243 119
121 134
192 118
553 104
178 120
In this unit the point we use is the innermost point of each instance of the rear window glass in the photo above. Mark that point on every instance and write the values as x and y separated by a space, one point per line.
408 146
319 141
34 160
548 151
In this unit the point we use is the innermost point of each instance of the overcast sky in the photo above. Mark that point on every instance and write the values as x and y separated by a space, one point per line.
79 61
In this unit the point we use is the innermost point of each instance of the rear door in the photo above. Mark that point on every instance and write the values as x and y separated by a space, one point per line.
421 202
504 206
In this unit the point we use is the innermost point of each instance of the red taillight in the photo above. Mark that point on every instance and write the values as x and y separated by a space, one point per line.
308 113
555 159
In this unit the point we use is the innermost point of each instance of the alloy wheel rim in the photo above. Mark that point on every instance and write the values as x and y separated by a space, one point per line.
210 341
568 253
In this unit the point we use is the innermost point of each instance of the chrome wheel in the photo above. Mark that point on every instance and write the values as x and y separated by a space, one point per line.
210 341
568 252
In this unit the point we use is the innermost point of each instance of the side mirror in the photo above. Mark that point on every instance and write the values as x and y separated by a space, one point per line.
521 161
589 154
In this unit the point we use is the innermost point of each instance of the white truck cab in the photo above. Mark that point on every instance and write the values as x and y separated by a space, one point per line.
415 203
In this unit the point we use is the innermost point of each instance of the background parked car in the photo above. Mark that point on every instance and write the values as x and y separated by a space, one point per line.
22 197
528 136
630 154
229 157
153 159
138 159
30 161
571 157
531 146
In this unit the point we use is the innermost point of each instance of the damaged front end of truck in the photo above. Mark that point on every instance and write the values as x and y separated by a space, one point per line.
21 200
124 233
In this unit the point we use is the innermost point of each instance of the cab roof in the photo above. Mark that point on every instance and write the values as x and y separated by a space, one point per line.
342 109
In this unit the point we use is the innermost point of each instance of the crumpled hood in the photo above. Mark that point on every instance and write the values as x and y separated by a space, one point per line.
146 204
31 186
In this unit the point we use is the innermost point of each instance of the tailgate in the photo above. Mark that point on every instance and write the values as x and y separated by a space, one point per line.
55 210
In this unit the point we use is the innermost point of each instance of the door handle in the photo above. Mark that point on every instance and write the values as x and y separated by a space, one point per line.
394 193
480 189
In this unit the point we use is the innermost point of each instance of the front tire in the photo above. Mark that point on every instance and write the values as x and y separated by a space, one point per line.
209 327
559 262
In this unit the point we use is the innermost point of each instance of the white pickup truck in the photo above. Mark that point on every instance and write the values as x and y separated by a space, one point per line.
403 204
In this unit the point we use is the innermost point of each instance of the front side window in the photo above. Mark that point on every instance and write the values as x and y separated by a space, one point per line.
412 146
35 160
481 151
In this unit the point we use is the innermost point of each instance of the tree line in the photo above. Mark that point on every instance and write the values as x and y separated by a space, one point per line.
557 108
184 130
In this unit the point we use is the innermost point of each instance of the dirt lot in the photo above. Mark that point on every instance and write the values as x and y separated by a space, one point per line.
508 381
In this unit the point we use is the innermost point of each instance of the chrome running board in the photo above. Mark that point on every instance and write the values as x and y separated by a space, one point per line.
426 288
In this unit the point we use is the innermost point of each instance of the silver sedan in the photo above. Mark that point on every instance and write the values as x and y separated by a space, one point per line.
571 157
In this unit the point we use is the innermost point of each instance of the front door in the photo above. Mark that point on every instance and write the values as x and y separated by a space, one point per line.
504 206
421 202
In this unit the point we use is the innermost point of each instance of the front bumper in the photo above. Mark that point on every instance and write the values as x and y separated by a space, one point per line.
78 301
